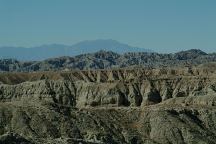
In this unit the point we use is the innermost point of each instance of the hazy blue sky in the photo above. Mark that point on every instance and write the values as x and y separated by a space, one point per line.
161 25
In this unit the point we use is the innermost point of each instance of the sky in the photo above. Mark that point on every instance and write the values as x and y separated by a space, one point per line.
160 25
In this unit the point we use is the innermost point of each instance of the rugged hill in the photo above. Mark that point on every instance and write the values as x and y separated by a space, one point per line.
56 50
111 60
158 106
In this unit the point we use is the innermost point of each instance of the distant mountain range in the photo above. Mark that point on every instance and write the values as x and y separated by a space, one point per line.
110 60
57 50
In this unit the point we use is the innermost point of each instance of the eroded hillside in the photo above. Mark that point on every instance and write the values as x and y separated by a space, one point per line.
110 106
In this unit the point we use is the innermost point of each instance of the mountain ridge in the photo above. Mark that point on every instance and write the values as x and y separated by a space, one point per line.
56 50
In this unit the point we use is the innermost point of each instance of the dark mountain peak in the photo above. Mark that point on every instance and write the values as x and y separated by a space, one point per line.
196 51
192 51
189 54
102 54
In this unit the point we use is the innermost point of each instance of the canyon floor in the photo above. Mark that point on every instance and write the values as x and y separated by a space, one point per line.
115 106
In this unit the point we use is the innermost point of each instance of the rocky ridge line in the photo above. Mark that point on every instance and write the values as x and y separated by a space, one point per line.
111 60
